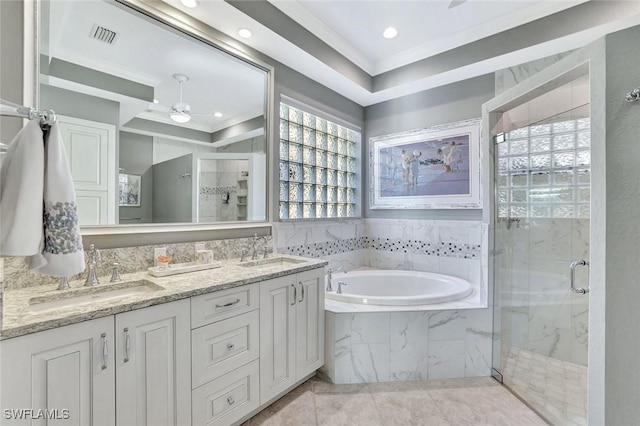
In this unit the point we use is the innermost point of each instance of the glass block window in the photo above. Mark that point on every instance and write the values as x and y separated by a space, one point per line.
543 171
319 166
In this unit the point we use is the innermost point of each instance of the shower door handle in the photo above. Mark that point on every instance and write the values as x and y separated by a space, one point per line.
573 267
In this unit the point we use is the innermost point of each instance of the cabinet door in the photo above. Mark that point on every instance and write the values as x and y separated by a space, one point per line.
68 368
309 322
153 366
277 336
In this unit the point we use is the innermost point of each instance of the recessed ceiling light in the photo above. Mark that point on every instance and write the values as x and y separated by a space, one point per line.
218 114
189 3
244 32
390 32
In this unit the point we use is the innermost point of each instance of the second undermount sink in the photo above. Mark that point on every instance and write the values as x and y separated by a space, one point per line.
274 262
88 295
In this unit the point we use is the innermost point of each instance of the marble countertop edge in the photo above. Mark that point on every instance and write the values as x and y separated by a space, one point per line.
19 320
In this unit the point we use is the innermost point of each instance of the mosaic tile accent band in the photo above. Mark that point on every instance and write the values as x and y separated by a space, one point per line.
438 248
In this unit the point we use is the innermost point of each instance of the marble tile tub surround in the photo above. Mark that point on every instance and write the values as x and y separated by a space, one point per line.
130 259
406 346
458 248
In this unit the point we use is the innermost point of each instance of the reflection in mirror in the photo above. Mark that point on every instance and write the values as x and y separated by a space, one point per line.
159 127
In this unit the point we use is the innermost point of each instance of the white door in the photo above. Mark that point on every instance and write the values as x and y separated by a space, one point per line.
68 368
277 336
153 366
309 323
91 151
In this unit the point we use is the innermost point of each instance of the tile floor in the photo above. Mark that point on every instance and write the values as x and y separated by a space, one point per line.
471 402
557 389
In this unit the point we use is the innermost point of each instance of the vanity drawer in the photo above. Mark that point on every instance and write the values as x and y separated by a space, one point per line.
228 398
221 347
223 304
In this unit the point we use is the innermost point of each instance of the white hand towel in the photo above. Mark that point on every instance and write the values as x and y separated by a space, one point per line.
62 251
21 189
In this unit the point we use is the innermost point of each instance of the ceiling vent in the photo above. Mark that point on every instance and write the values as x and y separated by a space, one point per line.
103 34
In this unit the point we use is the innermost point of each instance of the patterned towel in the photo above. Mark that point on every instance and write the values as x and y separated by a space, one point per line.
62 251
38 211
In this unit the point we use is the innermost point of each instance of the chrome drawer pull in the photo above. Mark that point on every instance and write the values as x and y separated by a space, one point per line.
295 294
105 351
230 400
127 344
230 346
302 291
226 305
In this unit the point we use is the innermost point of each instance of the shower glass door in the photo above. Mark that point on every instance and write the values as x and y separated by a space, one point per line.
542 187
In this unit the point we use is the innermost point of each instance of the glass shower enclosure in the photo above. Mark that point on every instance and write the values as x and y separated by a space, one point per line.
542 178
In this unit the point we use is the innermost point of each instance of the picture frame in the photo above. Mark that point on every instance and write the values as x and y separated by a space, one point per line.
129 187
433 168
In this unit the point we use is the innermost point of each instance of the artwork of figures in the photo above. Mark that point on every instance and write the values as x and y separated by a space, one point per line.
431 168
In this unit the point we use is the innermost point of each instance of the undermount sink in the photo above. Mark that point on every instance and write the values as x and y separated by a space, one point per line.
88 295
275 262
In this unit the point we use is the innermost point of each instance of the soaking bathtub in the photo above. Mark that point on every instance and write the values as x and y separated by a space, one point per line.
397 287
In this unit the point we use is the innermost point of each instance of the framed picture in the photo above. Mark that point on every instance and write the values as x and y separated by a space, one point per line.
434 168
129 187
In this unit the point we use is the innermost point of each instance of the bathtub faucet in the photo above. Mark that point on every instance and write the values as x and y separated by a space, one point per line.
339 290
330 275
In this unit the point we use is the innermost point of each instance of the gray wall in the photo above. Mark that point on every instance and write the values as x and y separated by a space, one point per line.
136 157
171 193
11 84
446 104
622 375
74 104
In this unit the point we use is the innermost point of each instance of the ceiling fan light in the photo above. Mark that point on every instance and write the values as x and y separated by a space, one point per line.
180 117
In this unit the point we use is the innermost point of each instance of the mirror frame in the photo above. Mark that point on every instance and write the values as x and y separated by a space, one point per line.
113 236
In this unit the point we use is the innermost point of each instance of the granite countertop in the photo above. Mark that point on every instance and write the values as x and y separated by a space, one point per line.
19 319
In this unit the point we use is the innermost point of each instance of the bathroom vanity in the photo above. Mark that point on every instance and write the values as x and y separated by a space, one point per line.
203 348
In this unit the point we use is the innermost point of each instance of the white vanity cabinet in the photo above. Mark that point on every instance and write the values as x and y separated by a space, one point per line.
291 331
127 370
153 371
67 368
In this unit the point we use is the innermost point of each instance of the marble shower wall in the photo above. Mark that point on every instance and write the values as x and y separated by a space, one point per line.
512 76
540 314
403 346
130 259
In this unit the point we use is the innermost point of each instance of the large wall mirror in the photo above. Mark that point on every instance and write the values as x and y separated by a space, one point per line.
159 127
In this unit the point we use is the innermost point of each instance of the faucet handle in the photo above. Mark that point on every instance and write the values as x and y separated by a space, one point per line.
115 274
339 290
64 283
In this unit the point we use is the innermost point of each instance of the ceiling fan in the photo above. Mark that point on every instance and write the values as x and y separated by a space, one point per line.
180 111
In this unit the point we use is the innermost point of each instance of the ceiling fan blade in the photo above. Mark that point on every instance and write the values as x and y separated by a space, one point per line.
153 107
456 3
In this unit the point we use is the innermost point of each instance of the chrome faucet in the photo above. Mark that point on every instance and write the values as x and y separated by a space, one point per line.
254 255
330 275
339 290
93 259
